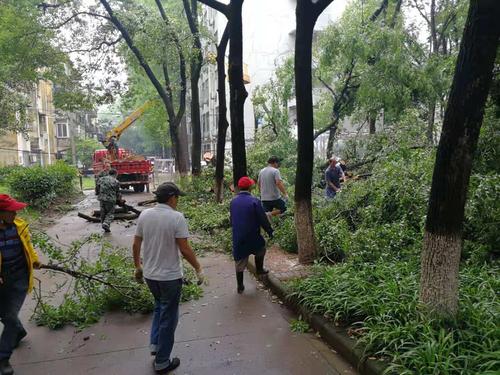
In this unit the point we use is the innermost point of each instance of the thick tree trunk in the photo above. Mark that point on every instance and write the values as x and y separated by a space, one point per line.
461 125
182 151
372 120
430 122
237 91
191 11
195 119
306 240
331 141
222 121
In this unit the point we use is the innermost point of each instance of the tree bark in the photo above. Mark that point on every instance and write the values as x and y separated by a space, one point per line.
191 11
304 226
238 93
222 121
331 142
430 122
461 126
372 120
306 16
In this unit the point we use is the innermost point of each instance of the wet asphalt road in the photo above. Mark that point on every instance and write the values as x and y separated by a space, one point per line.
222 333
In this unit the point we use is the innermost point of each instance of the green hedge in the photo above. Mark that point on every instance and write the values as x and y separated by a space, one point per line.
39 186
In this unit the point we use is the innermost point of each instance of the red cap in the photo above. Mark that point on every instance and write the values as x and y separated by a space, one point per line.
7 203
245 182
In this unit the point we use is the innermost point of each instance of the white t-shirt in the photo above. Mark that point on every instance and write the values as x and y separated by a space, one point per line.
159 227
268 177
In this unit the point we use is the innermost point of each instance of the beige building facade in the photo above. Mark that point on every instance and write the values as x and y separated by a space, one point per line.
38 146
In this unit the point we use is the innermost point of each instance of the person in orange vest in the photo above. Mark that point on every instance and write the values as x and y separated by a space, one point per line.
17 261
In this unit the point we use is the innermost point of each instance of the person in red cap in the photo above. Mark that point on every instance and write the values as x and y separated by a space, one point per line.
247 218
17 261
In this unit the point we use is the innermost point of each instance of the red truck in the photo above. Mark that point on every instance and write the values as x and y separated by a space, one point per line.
133 170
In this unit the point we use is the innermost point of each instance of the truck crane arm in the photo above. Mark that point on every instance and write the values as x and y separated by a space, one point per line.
117 131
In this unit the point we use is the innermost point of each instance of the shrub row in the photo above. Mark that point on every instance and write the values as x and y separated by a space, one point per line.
39 186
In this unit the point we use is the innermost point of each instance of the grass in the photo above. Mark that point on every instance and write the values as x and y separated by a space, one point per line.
299 326
88 183
4 189
379 303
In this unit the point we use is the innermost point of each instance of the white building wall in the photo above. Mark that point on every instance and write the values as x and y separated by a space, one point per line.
268 39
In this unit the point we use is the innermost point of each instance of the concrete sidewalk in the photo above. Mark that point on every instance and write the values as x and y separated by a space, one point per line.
222 333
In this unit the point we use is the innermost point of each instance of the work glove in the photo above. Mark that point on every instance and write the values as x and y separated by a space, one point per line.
138 276
201 277
37 265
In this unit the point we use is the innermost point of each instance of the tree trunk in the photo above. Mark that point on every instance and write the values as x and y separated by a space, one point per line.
195 119
461 125
237 91
182 151
222 121
430 122
306 240
372 120
331 141
191 11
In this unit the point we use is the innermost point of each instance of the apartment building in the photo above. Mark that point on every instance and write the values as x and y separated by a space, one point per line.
38 145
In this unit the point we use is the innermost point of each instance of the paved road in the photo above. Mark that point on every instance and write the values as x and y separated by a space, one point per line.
222 333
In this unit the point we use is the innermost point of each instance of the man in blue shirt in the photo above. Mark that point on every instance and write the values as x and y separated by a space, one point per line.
247 217
333 175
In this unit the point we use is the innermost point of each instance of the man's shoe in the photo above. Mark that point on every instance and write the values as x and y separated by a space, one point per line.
106 228
21 335
241 289
5 367
263 271
174 363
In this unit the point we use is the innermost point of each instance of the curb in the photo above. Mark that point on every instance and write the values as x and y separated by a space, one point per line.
336 337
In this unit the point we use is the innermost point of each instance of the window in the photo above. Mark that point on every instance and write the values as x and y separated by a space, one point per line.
42 123
62 130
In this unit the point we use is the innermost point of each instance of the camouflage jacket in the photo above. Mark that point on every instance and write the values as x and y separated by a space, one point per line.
102 174
108 189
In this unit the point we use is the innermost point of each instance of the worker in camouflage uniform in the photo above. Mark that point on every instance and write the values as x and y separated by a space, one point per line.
105 170
108 193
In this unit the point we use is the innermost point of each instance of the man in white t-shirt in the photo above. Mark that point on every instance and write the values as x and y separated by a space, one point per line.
162 233
272 190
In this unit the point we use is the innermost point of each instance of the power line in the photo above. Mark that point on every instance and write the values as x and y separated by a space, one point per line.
30 151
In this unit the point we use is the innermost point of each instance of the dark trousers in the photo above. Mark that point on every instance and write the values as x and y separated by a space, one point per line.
13 292
107 212
167 295
271 205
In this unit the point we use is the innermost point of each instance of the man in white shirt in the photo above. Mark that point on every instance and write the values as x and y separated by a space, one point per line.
162 233
272 190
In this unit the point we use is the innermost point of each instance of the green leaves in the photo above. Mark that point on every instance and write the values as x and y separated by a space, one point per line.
85 299
39 186
380 301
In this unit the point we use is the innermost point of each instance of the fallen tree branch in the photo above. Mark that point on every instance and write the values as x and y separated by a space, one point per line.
88 277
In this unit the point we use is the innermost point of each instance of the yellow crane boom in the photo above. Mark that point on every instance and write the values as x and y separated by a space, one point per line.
129 120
